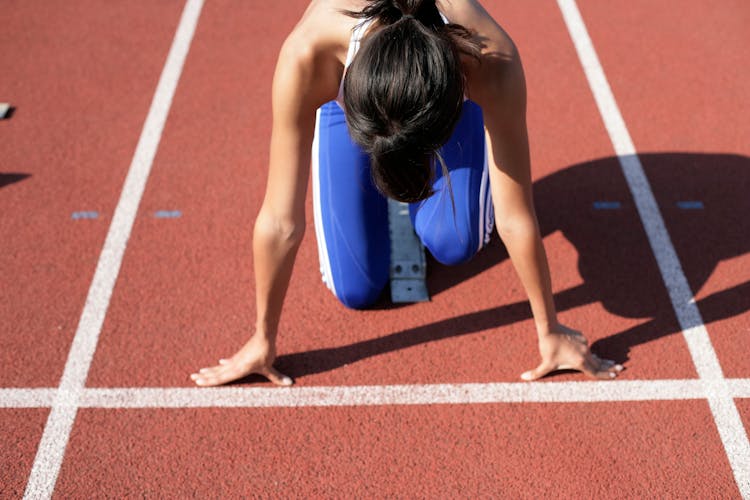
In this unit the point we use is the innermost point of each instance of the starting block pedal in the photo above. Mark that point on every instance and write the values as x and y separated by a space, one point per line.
408 268
4 109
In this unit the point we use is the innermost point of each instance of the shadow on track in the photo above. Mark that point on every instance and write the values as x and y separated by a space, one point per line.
10 178
617 265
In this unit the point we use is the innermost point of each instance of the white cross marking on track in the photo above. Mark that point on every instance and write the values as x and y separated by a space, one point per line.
56 433
726 416
265 397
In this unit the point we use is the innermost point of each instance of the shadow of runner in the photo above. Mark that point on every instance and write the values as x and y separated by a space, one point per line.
614 259
323 360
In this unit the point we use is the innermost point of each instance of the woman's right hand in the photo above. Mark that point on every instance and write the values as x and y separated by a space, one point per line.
256 356
306 77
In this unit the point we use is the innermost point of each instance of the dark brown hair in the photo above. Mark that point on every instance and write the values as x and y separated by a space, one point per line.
404 91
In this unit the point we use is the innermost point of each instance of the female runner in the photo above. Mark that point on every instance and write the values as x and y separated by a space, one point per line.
423 101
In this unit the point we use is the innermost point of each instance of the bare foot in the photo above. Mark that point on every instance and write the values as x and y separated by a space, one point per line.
567 349
256 356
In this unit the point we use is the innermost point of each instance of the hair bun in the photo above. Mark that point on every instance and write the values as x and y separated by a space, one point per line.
402 174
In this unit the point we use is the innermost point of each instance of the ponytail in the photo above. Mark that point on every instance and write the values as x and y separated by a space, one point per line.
404 92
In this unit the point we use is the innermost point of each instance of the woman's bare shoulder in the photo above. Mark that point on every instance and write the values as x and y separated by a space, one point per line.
324 28
311 60
472 15
498 76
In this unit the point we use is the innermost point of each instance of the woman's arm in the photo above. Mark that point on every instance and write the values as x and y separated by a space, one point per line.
502 95
304 80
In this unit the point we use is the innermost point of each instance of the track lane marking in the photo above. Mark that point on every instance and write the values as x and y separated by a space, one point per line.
727 418
265 397
56 433
551 392
37 397
739 387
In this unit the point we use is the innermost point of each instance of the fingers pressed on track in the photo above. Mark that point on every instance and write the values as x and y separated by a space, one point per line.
592 366
277 377
227 372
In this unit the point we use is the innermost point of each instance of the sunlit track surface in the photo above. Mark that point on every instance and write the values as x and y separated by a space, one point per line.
642 232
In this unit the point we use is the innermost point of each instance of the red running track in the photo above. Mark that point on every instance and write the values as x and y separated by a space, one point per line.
82 76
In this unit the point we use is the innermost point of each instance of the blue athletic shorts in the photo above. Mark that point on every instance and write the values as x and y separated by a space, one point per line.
351 216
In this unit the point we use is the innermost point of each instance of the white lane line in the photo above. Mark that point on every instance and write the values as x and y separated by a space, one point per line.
539 392
739 387
27 397
724 410
501 392
60 421
262 397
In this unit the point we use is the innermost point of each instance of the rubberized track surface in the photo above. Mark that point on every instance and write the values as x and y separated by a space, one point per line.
420 400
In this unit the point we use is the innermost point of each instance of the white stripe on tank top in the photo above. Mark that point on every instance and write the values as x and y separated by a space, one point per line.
354 41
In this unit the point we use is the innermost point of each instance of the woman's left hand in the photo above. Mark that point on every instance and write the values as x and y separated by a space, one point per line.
563 348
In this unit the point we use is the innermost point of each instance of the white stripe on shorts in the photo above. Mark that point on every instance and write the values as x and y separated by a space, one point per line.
325 263
486 212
